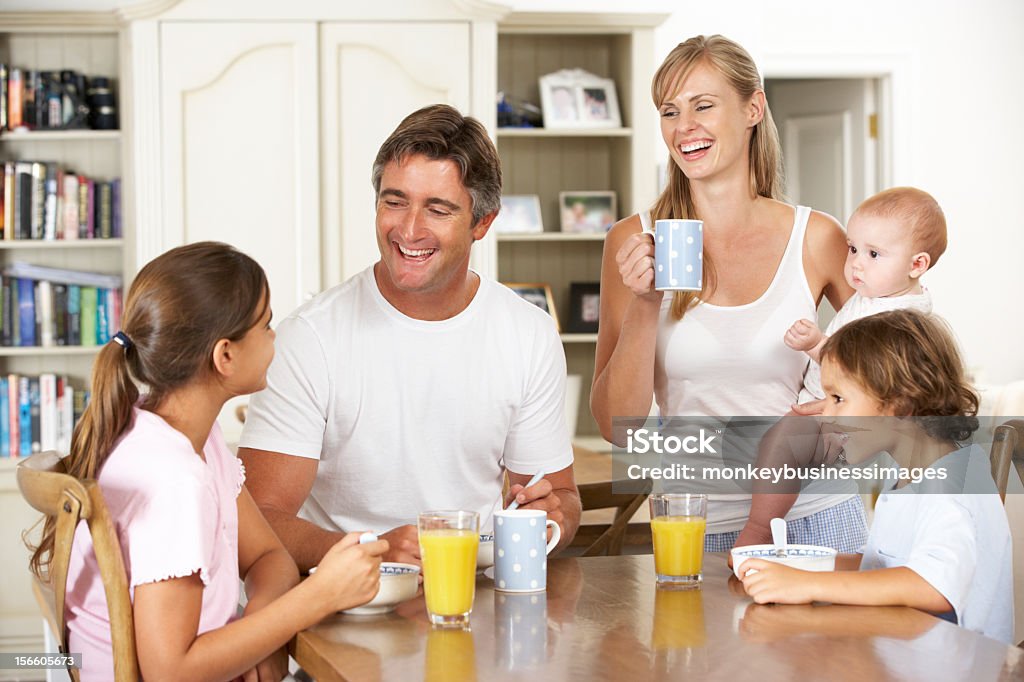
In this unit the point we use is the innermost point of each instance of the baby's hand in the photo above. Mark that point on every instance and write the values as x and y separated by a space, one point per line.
803 335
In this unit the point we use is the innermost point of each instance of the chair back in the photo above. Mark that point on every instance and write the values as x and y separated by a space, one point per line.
46 486
1007 448
608 539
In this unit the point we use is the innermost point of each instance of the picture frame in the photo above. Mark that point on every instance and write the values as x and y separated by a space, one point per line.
574 98
537 293
584 307
587 211
520 214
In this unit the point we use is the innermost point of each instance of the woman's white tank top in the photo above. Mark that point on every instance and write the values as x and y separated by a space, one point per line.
728 361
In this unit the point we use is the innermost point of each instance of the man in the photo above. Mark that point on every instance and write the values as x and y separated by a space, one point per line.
416 384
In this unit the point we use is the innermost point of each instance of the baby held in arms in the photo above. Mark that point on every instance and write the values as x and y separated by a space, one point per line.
894 237
942 552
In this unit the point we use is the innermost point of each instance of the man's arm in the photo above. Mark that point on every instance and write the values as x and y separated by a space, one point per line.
555 494
279 484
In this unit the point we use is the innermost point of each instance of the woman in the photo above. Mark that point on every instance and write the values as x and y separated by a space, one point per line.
766 263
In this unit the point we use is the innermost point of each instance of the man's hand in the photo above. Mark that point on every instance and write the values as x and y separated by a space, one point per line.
803 335
404 545
769 582
541 496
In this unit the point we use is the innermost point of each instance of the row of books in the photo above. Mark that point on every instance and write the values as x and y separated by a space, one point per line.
42 99
40 200
47 307
38 413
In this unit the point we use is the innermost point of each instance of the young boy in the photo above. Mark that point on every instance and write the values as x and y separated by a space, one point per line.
949 554
894 237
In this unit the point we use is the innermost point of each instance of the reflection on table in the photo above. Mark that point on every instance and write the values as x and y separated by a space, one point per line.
602 618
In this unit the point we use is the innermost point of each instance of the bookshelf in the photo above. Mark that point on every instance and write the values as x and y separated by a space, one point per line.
545 162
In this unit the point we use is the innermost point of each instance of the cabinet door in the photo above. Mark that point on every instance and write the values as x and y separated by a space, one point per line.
372 76
240 143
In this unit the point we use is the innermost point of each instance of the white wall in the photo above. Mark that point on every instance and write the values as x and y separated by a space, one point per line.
966 138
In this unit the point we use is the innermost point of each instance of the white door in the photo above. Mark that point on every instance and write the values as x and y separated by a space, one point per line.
372 76
240 144
829 153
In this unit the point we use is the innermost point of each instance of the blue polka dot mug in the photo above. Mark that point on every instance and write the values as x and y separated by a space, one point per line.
521 549
678 255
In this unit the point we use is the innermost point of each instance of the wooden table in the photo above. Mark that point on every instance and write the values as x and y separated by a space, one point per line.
603 619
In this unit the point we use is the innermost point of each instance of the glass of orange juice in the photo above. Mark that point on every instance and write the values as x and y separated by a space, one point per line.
448 546
677 528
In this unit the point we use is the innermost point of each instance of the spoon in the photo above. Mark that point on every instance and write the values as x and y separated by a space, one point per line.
779 536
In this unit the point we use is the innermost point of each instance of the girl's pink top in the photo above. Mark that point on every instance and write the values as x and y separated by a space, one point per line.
175 515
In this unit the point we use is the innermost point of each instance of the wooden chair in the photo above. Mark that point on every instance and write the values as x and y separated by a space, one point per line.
45 485
1007 448
609 538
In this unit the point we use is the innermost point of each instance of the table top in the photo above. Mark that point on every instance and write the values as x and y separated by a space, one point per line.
602 618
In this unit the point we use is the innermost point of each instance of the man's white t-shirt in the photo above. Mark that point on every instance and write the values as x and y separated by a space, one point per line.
409 415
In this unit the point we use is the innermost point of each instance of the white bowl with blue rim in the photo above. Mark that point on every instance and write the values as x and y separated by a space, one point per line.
398 583
804 557
485 551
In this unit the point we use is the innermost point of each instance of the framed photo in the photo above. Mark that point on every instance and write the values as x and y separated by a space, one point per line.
520 213
537 293
587 211
574 98
584 307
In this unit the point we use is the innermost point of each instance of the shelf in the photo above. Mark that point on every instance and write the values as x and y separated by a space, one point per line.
37 351
552 237
59 135
579 338
565 132
58 244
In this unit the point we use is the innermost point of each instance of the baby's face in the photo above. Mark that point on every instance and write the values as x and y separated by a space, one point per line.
880 256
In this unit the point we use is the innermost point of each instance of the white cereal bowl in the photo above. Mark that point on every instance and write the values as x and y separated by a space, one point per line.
398 583
485 552
804 557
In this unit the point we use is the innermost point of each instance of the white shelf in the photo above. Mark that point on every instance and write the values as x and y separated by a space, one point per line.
38 351
565 132
579 338
552 237
59 135
58 244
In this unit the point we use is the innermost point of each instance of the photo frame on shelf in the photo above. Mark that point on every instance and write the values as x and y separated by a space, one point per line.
587 212
520 214
537 293
574 98
584 307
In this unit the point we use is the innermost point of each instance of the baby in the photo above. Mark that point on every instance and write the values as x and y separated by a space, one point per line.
894 237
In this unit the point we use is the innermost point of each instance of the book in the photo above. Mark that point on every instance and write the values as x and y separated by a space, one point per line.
88 316
38 199
9 190
3 96
70 199
104 224
48 420
5 420
15 89
60 314
26 313
83 206
65 276
115 208
35 415
23 200
24 417
6 293
74 315
65 413
13 413
50 202
102 320
44 314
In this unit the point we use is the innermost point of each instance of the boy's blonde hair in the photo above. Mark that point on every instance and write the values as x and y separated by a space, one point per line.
915 209
909 362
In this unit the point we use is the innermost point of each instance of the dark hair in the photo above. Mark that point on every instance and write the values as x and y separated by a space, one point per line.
180 304
440 132
909 362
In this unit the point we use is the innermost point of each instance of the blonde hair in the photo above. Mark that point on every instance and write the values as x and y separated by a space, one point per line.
736 64
909 362
916 210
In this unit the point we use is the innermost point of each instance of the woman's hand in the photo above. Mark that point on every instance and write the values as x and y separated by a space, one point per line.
349 574
636 265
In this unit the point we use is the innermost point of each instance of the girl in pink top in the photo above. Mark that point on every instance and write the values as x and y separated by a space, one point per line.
187 526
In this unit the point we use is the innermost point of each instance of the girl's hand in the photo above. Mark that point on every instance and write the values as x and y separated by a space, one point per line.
636 265
349 574
803 335
770 582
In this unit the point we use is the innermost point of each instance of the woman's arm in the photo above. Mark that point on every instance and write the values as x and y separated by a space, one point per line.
825 251
167 616
899 586
624 363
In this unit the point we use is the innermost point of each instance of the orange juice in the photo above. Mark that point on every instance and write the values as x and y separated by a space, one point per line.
449 569
678 620
450 656
678 544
